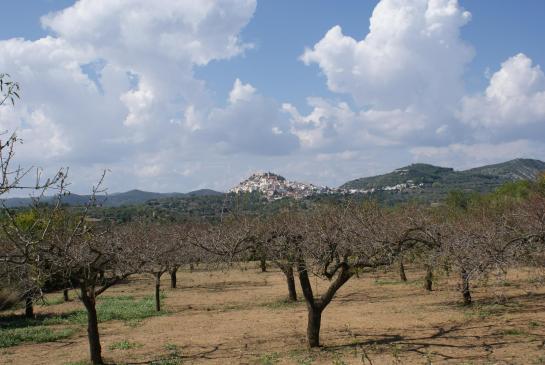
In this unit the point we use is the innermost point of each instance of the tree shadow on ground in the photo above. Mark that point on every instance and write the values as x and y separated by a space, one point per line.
455 337
177 357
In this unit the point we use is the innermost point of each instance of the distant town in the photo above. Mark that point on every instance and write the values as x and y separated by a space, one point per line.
274 187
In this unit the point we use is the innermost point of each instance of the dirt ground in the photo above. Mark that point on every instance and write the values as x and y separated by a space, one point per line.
238 317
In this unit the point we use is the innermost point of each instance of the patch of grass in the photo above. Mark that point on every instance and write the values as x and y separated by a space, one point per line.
514 332
483 311
302 357
82 362
339 361
53 301
269 359
36 334
122 308
534 324
174 357
305 361
282 304
133 323
124 345
174 350
167 362
126 309
17 329
381 282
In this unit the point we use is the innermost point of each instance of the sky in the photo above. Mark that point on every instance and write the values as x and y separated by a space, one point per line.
178 95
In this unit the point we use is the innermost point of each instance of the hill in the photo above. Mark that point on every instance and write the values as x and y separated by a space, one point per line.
275 187
431 183
416 174
130 197
423 182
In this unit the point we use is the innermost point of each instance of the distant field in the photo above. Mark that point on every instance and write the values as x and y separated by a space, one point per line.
239 317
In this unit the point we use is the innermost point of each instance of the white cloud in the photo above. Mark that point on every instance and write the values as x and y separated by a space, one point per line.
406 74
406 78
335 126
241 92
129 30
250 123
412 55
513 103
464 156
140 98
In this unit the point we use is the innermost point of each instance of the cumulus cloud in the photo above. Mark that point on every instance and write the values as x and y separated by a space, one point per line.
133 30
405 75
406 79
113 85
241 92
250 123
513 103
464 156
335 127
412 55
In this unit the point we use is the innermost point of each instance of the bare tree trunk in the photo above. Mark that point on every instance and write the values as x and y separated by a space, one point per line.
92 328
465 287
313 326
263 264
191 267
29 306
315 307
65 295
101 275
292 292
428 279
402 275
173 278
158 292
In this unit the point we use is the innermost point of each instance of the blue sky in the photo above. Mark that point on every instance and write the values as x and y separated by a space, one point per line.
186 123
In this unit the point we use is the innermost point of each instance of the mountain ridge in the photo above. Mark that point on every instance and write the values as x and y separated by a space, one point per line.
431 177
130 197
419 180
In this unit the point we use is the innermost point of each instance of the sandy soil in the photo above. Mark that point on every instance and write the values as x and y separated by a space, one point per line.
237 317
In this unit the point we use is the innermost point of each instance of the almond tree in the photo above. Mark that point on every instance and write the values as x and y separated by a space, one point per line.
336 243
17 251
278 236
86 253
160 248
478 240
185 253
529 216
93 262
225 242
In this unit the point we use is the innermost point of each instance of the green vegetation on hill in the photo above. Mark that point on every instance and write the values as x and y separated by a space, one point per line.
114 200
437 182
417 173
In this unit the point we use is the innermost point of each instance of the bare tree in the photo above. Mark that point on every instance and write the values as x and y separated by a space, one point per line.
161 248
478 240
336 243
84 253
225 242
280 235
17 251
